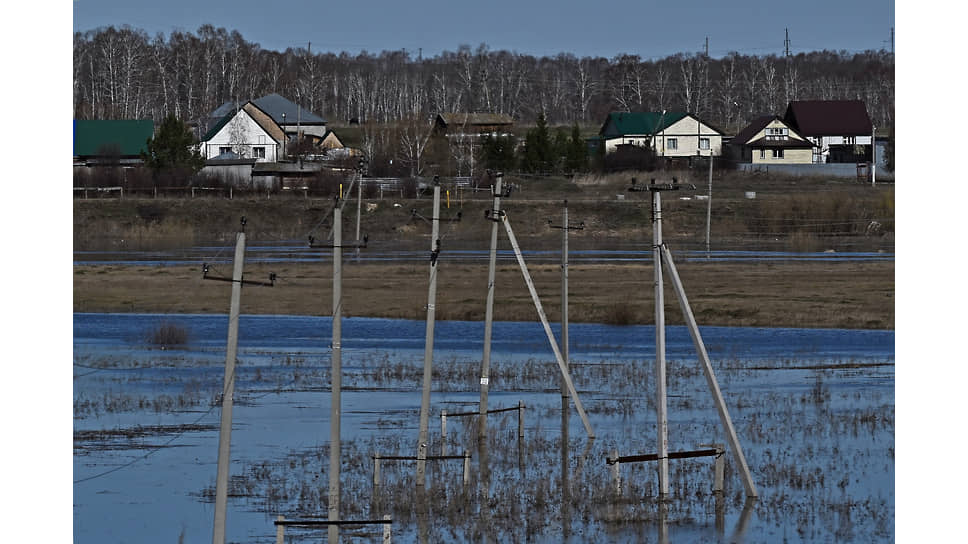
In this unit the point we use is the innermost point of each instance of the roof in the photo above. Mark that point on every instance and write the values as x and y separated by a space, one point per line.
829 118
131 136
273 130
651 122
276 106
215 128
477 118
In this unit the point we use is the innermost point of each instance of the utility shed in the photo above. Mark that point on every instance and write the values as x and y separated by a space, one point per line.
120 141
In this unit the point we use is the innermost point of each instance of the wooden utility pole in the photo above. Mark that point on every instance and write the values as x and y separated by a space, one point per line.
709 199
424 439
489 308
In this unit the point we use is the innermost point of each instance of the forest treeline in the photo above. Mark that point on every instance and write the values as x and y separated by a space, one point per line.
123 73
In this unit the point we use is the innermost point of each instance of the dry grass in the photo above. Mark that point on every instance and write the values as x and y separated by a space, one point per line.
782 294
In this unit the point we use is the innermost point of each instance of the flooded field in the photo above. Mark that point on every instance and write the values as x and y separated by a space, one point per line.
814 410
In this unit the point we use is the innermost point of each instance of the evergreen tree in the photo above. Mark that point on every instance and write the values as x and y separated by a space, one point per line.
172 149
497 152
538 149
576 153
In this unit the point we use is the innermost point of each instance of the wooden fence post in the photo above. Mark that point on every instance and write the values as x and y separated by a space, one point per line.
467 467
386 528
720 468
280 530
616 475
520 419
443 432
377 480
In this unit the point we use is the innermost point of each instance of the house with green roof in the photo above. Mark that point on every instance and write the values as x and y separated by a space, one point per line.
670 133
111 141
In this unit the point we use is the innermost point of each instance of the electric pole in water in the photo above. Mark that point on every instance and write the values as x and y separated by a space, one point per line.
423 435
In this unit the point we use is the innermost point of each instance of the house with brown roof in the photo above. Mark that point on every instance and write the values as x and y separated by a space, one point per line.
841 129
769 140
455 125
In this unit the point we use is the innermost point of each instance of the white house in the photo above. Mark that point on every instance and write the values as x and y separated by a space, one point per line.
670 134
246 132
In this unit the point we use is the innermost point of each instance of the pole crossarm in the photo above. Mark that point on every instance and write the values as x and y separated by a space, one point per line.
655 456
206 276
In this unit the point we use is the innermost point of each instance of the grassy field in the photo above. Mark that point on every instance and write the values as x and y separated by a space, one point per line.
811 294
788 214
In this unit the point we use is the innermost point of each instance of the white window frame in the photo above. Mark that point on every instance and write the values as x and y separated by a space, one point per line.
777 154
672 143
224 149
704 143
259 152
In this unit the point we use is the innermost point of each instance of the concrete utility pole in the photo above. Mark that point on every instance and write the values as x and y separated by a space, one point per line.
424 439
228 388
489 308
336 374
662 423
566 377
663 259
565 227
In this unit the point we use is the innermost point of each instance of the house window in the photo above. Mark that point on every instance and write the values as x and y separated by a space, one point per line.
672 143
762 153
259 152
775 133
849 140
703 143
224 150
777 153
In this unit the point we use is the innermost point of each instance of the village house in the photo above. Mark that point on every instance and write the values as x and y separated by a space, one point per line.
473 125
769 140
670 134
841 129
112 142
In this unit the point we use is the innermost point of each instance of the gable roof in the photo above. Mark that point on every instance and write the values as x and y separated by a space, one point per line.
92 136
260 118
829 118
275 106
651 122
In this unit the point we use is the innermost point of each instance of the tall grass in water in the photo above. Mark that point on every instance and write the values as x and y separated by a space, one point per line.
169 334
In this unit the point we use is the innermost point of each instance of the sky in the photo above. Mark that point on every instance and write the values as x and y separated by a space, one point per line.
649 29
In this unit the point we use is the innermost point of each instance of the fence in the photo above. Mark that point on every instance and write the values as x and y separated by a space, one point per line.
378 459
715 450
281 523
444 415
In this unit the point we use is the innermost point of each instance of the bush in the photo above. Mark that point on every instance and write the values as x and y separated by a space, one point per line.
169 334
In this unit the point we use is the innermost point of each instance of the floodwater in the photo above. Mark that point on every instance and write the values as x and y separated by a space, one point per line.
813 408
297 251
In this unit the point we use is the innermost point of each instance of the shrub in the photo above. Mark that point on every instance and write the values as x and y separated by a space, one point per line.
169 334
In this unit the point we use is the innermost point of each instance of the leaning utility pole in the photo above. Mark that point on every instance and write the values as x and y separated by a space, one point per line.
663 259
228 387
429 340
